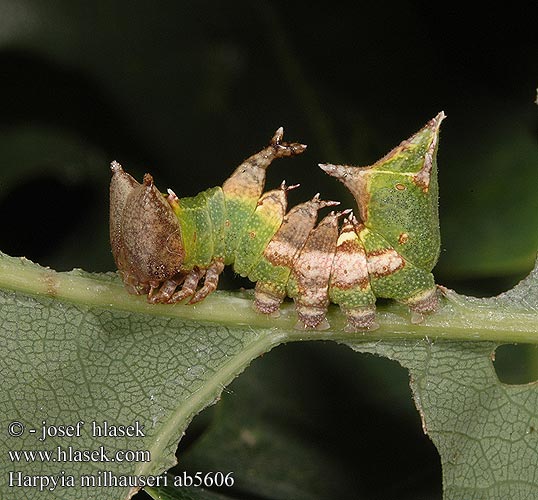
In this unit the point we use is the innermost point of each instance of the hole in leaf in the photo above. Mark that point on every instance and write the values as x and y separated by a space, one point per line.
516 363
318 410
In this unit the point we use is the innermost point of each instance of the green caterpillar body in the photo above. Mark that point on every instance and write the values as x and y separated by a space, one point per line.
164 245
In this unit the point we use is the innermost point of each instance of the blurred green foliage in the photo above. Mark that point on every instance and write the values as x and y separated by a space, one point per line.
186 90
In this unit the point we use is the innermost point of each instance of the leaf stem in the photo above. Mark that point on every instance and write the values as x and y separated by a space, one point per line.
460 318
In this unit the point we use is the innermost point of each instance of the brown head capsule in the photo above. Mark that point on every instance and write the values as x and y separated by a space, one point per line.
144 232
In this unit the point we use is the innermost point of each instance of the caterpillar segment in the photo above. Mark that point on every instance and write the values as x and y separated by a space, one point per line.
309 281
273 270
243 188
397 199
349 285
174 249
260 228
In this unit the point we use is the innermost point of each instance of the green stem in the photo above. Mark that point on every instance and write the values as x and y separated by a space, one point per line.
459 318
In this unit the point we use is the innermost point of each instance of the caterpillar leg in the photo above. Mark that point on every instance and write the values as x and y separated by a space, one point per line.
132 285
360 319
211 281
163 294
189 286
423 303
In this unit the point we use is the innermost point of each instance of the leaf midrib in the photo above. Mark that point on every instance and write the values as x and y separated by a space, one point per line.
459 319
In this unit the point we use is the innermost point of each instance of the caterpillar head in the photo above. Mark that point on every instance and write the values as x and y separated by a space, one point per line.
144 232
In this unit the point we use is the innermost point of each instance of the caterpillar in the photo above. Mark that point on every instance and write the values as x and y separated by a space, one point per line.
164 246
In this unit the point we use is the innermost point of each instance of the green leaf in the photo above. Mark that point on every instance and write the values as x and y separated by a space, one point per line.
289 429
484 430
269 433
77 347
64 362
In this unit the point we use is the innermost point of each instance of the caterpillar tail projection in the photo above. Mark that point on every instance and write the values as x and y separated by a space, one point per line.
174 249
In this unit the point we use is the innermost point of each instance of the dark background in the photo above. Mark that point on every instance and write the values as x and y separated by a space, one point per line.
186 90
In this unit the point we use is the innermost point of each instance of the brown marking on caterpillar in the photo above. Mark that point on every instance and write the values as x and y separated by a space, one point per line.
422 178
400 187
248 179
346 246
360 319
349 268
293 232
384 262
355 179
403 238
280 252
359 226
312 271
266 301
